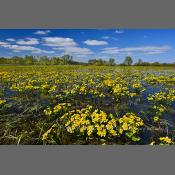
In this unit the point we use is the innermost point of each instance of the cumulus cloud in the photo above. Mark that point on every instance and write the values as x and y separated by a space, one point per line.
42 32
75 50
59 42
19 48
10 39
28 41
66 45
141 49
119 31
105 37
95 42
3 43
109 37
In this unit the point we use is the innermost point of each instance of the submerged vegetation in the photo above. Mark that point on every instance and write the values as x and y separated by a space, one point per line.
87 105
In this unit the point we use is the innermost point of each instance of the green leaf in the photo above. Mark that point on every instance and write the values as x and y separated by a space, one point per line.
129 134
135 139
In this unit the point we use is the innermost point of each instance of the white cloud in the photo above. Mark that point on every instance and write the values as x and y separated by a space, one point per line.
141 49
42 32
3 43
28 41
75 50
108 37
10 39
66 46
59 42
95 42
105 37
119 31
19 48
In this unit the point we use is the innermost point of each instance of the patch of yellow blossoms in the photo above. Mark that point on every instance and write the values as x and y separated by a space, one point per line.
98 124
2 101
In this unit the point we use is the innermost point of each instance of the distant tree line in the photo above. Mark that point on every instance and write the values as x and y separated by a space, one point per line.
100 62
141 63
129 62
44 60
68 60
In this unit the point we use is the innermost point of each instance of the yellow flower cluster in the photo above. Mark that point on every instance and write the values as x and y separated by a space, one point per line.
86 121
163 96
107 88
57 109
98 124
46 134
161 100
168 79
165 140
160 109
136 85
61 106
130 124
120 90
2 101
108 82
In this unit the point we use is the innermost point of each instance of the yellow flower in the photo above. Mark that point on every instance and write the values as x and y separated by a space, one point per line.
156 119
121 131
108 82
2 101
165 140
113 132
101 131
69 129
136 85
125 126
90 130
82 129
133 94
46 134
48 111
57 108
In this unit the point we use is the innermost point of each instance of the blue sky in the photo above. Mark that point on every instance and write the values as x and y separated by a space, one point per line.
84 44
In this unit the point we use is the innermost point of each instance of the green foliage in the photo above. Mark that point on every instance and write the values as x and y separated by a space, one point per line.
128 61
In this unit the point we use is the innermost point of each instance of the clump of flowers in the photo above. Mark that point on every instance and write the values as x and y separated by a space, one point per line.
162 141
129 126
87 122
136 85
162 100
97 124
165 141
2 101
108 82
58 109
137 89
47 133
120 90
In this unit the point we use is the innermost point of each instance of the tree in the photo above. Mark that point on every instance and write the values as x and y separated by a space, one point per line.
139 63
44 60
112 62
3 60
55 61
128 61
156 64
67 59
29 59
